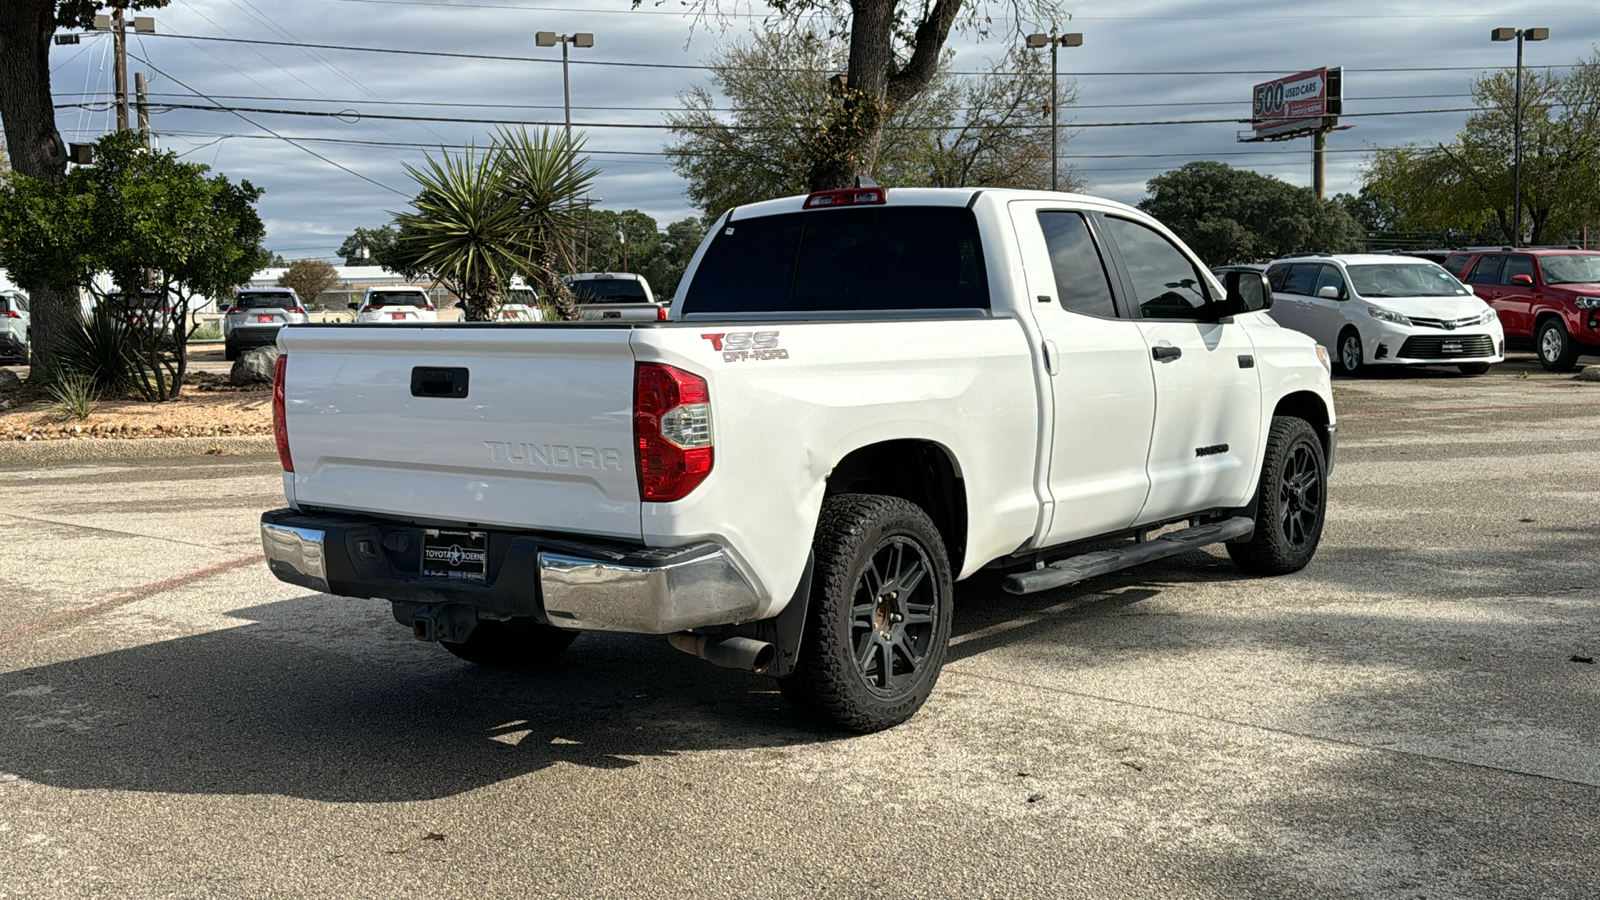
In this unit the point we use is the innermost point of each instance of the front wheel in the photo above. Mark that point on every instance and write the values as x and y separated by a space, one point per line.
1557 350
878 623
1350 358
518 644
1291 500
1473 368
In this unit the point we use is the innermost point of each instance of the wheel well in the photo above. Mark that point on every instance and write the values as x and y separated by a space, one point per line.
919 471
1308 406
1541 318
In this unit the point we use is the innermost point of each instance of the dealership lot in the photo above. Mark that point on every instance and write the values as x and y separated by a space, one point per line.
1408 717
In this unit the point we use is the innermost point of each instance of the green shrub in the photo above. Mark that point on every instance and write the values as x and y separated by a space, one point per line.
73 398
103 352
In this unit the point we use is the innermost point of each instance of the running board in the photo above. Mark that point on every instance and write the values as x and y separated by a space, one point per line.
1090 565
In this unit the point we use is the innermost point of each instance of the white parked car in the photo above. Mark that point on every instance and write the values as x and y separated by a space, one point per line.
254 317
396 305
1380 310
15 341
615 295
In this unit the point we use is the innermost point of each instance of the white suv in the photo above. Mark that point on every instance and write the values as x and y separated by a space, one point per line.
1380 310
14 327
397 305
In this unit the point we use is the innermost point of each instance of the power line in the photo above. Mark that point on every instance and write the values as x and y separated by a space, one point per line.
280 137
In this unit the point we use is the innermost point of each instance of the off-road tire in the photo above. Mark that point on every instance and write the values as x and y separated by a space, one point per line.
1360 368
856 535
518 644
1287 530
1558 352
1473 368
25 355
230 352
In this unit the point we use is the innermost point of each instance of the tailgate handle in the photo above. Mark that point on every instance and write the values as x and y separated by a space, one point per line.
427 381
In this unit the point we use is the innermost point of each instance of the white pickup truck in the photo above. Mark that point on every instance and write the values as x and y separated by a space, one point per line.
859 398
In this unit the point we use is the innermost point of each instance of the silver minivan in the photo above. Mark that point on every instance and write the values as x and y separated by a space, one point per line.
255 316
15 341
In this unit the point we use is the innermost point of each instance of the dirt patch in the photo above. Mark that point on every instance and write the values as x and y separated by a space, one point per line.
209 407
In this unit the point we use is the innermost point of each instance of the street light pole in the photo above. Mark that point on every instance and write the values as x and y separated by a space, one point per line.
1520 34
117 25
550 39
1056 41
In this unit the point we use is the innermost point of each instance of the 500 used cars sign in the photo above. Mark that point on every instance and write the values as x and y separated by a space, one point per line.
1295 102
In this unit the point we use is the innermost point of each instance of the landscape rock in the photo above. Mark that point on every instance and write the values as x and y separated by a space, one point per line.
254 367
9 381
1589 373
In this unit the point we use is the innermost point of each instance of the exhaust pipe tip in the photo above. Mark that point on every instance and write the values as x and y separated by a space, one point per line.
746 654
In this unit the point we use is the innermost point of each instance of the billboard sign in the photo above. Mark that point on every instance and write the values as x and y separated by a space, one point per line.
1295 103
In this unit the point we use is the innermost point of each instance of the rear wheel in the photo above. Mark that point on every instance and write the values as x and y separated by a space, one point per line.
1292 499
1349 356
1558 352
25 355
230 352
1473 368
878 623
518 644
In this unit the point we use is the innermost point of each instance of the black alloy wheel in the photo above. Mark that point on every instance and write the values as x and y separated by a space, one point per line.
895 615
1292 501
1300 496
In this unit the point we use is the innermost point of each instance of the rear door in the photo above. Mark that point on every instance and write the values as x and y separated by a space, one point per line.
1208 394
1102 391
480 425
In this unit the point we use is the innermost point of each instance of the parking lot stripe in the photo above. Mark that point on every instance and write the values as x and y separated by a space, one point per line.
30 630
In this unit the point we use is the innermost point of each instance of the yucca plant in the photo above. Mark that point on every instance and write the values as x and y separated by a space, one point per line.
466 230
102 352
549 179
72 398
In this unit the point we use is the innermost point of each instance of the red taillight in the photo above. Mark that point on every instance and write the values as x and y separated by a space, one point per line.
429 307
10 313
280 424
661 314
296 309
368 308
672 431
846 197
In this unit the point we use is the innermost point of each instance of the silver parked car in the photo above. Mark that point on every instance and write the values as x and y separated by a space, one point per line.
256 315
15 340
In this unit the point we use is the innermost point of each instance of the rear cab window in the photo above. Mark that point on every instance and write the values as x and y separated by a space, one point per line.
608 290
843 260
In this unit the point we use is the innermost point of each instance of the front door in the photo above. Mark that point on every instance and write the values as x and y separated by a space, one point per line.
1208 393
1101 393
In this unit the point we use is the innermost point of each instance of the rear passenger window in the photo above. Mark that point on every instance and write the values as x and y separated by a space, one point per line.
1487 271
1516 265
1456 263
884 258
1302 278
1276 275
1081 281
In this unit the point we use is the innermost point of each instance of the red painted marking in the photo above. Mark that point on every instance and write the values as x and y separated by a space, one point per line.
1429 409
55 620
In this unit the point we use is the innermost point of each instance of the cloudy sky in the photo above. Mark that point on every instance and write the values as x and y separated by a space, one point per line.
1141 61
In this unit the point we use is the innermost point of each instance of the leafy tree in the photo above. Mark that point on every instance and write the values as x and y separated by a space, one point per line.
277 261
1465 187
484 217
660 255
34 145
1234 215
895 49
163 229
310 279
377 241
991 131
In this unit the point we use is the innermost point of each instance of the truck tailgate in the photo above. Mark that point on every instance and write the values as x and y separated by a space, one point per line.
541 439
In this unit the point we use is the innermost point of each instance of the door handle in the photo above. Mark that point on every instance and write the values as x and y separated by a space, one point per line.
1165 352
1052 362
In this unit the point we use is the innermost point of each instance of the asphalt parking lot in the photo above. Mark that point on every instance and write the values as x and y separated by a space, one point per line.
1411 716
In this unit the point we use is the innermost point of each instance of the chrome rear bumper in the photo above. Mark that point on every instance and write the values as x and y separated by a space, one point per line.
585 586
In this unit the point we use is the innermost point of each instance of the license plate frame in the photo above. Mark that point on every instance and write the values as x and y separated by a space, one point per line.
1451 347
397 316
265 318
455 555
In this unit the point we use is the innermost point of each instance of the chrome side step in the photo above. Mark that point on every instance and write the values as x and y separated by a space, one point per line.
1090 565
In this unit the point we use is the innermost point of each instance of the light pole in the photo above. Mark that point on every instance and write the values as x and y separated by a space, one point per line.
550 39
1520 34
117 25
1055 42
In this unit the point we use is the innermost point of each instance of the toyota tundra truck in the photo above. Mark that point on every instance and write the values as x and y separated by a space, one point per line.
858 398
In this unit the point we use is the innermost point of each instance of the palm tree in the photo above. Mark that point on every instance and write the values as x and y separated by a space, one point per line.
549 179
466 230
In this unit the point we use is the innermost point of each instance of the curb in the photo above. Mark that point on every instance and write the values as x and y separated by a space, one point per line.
109 449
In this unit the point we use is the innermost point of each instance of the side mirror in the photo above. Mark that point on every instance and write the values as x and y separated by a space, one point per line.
1523 280
352 305
1247 292
1329 291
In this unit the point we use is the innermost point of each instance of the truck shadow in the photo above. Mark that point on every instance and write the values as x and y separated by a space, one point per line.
264 709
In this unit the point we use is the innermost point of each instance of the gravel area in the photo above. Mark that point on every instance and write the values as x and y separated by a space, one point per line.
208 407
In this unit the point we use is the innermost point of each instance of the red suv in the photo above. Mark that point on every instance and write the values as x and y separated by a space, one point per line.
1549 296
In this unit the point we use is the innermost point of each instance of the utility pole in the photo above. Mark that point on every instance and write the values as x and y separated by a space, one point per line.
119 42
1319 163
141 92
